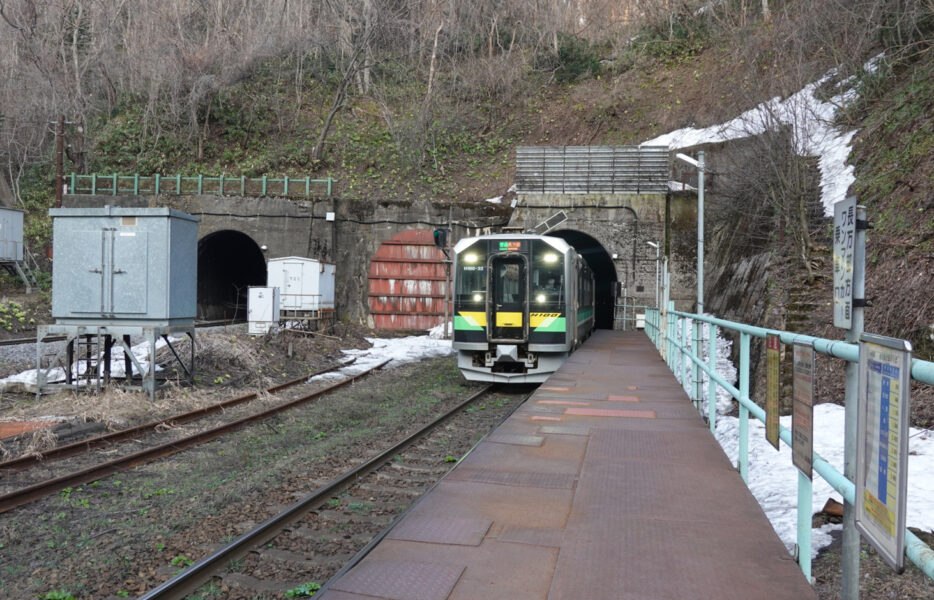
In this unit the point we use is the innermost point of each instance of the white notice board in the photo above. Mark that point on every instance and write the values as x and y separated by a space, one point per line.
882 444
844 248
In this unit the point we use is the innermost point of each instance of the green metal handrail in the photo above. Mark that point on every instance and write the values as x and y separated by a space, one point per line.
137 184
671 338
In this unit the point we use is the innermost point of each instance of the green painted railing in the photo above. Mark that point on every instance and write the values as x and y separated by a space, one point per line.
222 185
680 348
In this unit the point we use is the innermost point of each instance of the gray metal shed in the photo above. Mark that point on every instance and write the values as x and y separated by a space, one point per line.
121 266
11 235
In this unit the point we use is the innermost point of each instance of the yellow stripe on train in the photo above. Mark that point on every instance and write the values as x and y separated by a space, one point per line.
476 319
538 319
509 319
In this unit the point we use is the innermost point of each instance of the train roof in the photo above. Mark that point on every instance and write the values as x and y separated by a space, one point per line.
556 242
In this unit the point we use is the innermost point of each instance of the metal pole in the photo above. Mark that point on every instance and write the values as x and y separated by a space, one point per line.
850 554
59 160
700 232
657 258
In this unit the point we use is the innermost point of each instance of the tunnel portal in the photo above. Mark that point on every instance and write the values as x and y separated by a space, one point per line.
604 273
228 263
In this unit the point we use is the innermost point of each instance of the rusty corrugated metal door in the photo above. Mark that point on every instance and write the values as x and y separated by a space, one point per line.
407 282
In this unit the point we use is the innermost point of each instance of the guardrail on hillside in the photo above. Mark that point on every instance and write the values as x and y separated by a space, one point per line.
114 185
680 347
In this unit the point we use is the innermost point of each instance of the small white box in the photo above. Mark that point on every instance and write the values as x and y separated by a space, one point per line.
262 309
640 320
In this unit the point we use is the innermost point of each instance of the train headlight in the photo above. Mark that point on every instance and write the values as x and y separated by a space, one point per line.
478 297
540 298
551 258
470 258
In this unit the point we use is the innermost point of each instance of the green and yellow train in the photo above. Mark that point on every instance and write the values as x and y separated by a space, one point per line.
522 304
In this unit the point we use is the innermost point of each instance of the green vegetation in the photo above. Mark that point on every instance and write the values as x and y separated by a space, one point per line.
303 590
57 595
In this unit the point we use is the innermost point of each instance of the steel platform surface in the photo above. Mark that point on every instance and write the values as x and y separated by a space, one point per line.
605 484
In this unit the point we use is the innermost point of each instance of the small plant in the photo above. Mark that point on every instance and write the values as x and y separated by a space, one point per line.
304 590
334 502
57 595
123 594
160 547
182 561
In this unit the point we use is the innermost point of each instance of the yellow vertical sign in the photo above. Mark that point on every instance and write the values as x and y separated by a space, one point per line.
772 346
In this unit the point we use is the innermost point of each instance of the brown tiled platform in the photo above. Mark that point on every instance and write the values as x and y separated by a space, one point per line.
605 484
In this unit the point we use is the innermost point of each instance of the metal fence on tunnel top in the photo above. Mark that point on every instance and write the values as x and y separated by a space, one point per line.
592 169
222 185
677 335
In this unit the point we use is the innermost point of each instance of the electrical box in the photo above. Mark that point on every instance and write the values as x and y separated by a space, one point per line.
262 309
122 266
305 284
11 235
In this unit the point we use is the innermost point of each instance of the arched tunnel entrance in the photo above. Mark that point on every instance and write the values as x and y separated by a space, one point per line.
228 263
604 273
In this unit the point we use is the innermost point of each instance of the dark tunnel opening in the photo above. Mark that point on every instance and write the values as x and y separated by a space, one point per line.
604 273
228 263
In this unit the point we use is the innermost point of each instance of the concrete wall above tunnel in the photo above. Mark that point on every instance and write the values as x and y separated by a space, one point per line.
615 229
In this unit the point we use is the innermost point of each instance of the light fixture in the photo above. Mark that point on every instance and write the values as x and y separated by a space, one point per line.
551 257
478 297
540 298
470 258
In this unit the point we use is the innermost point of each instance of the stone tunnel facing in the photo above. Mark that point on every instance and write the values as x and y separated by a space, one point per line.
228 263
604 274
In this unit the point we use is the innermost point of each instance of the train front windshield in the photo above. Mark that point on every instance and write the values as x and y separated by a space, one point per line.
547 277
471 278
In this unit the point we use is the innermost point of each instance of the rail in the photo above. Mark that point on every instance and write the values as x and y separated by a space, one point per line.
671 336
114 184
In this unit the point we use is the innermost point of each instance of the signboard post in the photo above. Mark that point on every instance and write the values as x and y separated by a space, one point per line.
802 419
882 444
844 249
772 428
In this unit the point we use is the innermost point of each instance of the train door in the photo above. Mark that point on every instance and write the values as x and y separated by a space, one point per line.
508 298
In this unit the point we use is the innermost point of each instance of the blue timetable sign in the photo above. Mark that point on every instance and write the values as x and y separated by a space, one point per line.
882 444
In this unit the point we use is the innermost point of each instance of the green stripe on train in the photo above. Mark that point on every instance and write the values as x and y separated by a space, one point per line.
464 325
553 324
584 313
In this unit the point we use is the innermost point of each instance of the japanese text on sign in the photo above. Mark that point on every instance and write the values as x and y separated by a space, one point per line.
844 247
802 428
772 427
882 445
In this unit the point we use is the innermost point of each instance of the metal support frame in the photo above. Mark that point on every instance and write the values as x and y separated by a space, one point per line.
98 342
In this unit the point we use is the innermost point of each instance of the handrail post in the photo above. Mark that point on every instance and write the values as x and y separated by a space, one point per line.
285 185
699 353
850 552
221 185
805 502
73 183
94 184
200 183
136 184
685 357
743 411
155 189
711 384
307 186
114 185
264 186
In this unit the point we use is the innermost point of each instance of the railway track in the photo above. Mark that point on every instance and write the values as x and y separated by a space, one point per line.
296 547
25 467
